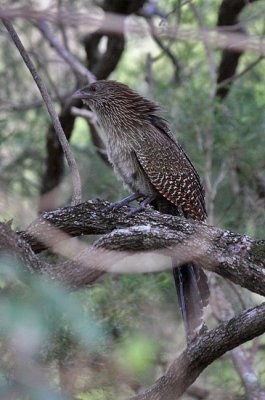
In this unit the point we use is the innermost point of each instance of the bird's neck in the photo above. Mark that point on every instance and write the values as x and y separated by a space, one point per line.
121 126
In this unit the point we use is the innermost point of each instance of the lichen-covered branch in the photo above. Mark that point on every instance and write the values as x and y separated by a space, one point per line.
236 257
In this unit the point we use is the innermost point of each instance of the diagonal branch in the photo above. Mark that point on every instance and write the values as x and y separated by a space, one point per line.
223 310
207 348
51 109
64 53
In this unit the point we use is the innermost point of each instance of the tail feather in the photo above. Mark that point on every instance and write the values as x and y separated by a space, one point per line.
191 283
193 293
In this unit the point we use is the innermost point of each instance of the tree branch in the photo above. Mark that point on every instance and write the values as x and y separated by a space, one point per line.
166 50
229 12
223 310
236 257
74 273
64 53
233 256
51 109
198 355
203 351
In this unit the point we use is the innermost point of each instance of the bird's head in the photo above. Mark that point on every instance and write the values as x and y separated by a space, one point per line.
101 93
107 96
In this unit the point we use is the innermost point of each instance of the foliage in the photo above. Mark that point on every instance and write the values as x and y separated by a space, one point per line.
116 337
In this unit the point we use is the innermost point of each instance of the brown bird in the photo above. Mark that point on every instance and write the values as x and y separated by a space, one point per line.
153 166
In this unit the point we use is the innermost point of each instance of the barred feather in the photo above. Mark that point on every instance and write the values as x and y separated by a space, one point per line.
149 161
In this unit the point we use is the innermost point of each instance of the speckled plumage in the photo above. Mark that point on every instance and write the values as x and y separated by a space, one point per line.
149 161
142 149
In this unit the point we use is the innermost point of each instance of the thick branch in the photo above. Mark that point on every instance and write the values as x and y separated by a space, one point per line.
199 353
235 257
162 231
223 310
74 273
203 351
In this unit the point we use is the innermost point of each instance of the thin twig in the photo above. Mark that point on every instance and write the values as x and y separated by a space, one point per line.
85 114
64 53
221 176
148 74
51 109
166 50
223 310
243 72
62 27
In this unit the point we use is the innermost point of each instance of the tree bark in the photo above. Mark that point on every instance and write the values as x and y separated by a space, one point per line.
238 258
199 354
125 241
228 16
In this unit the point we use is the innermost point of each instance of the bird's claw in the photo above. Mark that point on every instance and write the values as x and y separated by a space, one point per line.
123 202
133 210
142 206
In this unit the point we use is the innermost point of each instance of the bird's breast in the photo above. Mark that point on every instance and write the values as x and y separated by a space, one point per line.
122 156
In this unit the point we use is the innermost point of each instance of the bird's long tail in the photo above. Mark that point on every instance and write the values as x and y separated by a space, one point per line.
191 285
193 293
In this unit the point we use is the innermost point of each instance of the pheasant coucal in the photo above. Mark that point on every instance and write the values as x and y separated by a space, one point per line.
153 166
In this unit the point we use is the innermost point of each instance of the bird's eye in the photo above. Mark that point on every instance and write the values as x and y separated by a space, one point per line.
92 89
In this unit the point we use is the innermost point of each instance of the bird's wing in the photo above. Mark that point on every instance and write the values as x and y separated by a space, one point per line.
170 170
162 125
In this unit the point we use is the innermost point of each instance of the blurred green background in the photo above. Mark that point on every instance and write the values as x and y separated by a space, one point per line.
110 340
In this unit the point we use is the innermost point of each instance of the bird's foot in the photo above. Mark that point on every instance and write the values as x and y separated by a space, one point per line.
123 202
147 200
